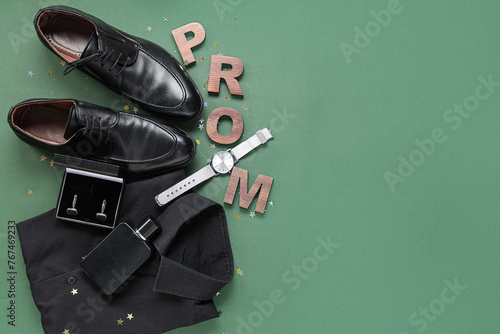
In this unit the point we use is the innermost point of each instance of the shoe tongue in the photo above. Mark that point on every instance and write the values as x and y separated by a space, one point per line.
72 126
92 46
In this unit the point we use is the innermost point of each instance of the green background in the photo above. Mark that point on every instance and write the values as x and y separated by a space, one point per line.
341 123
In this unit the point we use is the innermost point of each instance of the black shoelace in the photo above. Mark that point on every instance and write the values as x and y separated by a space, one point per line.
96 126
95 57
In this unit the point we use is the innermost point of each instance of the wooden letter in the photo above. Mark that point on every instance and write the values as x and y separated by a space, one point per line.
184 45
213 121
217 73
262 182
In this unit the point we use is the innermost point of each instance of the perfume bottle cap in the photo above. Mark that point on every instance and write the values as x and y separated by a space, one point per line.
149 228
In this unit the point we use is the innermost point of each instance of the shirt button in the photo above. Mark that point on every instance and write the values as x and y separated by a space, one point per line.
71 280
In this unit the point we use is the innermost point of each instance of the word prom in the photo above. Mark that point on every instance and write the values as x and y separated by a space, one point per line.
239 176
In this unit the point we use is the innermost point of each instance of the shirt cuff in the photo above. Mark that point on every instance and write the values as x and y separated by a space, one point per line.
193 211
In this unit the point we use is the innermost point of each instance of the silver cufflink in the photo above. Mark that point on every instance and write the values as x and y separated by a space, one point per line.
73 211
101 215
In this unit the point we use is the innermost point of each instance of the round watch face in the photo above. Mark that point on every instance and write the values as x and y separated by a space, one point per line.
222 162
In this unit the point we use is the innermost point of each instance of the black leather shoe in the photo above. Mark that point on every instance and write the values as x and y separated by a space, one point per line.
141 145
139 69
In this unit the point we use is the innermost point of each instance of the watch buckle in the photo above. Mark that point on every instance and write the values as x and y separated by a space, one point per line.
261 137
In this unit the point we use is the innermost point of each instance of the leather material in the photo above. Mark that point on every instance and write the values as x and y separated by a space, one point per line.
69 44
139 69
141 145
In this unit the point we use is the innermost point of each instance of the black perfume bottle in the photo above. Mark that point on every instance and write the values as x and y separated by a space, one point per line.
120 254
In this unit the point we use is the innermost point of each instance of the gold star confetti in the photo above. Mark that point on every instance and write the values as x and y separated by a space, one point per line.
238 217
217 294
245 107
216 44
63 63
51 163
222 13
74 292
83 257
198 141
165 18
30 192
201 58
239 271
49 73
235 18
205 86
66 331
43 158
271 203
126 107
149 28
252 214
130 316
226 98
220 54
119 322
186 63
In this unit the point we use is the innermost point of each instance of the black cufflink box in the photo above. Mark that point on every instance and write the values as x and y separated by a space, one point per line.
91 192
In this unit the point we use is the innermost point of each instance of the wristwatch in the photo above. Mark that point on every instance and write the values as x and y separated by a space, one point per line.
222 163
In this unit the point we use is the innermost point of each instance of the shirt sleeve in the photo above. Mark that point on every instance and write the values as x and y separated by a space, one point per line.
207 262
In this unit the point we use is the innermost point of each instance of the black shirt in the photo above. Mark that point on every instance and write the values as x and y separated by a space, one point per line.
192 262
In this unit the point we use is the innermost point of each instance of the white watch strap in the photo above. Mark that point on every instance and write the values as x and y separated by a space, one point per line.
181 187
261 137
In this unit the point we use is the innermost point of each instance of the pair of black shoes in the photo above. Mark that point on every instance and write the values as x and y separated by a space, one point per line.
139 69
